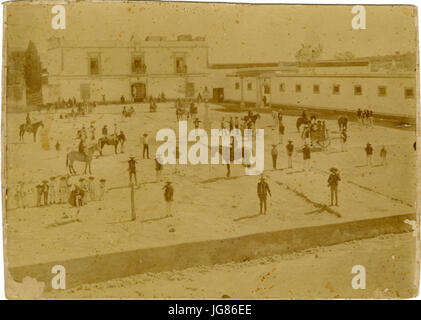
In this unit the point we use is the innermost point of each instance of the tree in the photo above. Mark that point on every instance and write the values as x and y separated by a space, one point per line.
32 68
32 74
308 53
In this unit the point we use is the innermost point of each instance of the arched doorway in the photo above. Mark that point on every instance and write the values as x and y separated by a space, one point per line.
138 91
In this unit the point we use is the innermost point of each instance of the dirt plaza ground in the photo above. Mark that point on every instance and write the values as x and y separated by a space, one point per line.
323 272
208 206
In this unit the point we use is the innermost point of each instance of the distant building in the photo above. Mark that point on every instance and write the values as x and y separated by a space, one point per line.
385 84
137 69
98 70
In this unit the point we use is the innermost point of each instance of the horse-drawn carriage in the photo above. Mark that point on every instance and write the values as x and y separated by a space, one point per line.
316 132
319 135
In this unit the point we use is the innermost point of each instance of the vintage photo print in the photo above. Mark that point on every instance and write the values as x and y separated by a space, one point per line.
210 150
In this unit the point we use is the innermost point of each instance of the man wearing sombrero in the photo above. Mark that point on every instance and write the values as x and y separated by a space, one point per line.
333 182
262 191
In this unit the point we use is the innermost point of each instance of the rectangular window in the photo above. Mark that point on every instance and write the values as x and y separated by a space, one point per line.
381 91
93 65
336 89
358 90
282 87
316 89
180 64
298 88
237 86
138 64
249 86
409 93
266 89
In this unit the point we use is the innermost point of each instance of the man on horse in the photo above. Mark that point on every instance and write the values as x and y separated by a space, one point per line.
82 147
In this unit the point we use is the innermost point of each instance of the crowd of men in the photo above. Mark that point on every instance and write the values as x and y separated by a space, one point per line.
60 190
365 117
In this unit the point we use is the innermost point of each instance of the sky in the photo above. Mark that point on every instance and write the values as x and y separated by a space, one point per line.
234 33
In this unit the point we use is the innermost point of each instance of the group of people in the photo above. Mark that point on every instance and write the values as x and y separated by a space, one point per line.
59 190
365 117
369 155
185 109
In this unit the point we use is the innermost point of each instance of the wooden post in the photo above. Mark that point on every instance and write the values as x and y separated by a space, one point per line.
132 201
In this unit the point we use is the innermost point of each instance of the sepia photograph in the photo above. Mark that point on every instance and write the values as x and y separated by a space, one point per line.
192 150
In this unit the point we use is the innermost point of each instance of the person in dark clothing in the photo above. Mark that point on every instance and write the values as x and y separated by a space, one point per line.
45 190
306 157
132 170
262 191
145 145
333 182
383 154
369 153
274 153
290 150
169 197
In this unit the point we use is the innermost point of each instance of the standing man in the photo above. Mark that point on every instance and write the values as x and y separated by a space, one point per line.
383 154
122 138
39 194
369 153
132 169
63 189
332 182
52 190
344 137
274 153
91 188
45 187
290 150
262 191
169 197
145 145
158 169
281 130
307 157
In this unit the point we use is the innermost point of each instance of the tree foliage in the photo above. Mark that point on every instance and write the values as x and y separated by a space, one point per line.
308 53
32 68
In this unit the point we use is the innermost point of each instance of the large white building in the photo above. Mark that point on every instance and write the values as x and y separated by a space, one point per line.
98 70
385 85
137 69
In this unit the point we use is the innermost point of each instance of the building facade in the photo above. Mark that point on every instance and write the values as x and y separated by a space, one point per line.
108 70
385 85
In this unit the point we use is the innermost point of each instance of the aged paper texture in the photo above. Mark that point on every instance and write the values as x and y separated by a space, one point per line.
203 150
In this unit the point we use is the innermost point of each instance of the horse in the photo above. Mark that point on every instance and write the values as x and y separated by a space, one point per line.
110 141
73 156
301 121
30 128
343 123
252 118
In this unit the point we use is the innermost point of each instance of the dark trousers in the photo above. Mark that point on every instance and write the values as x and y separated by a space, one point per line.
274 161
145 149
334 195
263 204
45 198
228 170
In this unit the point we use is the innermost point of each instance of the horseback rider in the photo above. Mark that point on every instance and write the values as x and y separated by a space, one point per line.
28 121
82 147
